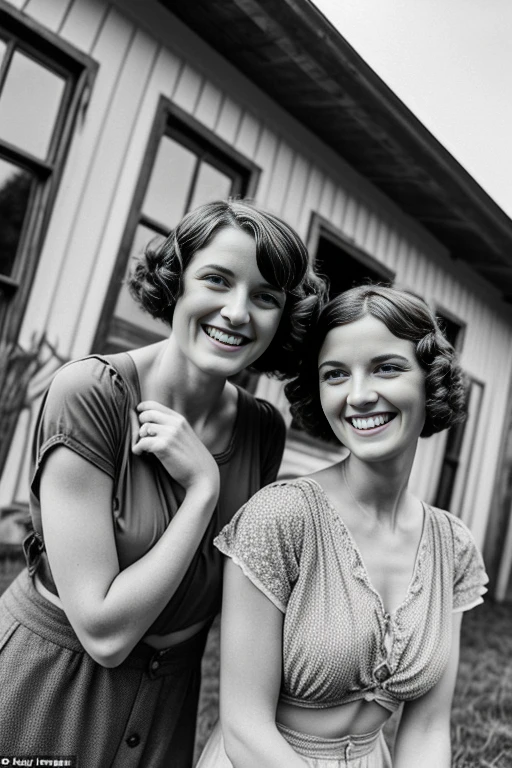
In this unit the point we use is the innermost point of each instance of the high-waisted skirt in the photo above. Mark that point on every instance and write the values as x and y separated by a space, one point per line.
56 701
368 750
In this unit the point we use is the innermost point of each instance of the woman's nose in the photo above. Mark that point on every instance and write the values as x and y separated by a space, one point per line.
236 310
361 392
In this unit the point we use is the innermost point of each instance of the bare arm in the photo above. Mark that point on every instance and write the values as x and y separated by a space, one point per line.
251 662
111 610
423 738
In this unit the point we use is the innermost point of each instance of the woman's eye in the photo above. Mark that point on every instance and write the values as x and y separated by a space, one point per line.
268 298
335 375
389 369
215 280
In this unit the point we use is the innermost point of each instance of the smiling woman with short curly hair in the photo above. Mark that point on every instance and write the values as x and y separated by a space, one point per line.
408 317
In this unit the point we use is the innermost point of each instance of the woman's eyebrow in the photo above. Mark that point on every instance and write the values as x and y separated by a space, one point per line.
389 356
377 359
218 268
230 273
333 363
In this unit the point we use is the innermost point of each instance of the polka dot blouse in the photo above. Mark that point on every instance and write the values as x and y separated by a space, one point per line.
339 644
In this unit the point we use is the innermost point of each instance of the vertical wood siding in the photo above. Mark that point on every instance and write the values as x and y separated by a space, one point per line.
299 177
48 12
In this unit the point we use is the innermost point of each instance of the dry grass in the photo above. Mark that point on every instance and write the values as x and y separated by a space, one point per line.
482 709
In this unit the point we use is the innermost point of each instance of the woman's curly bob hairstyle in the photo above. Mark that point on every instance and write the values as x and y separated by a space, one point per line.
407 316
156 282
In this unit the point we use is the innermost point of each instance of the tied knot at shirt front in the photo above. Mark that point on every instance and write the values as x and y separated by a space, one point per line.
293 545
87 409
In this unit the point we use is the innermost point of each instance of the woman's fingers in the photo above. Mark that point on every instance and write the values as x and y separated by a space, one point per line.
148 429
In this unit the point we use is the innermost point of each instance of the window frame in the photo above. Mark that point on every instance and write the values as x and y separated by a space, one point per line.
21 33
320 227
445 314
170 120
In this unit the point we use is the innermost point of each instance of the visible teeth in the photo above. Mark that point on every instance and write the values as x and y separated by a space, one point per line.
223 337
370 423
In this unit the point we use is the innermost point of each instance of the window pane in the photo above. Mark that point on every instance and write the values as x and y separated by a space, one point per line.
29 105
170 183
14 195
211 185
126 308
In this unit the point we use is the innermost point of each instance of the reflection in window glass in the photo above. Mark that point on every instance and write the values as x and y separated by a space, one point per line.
211 185
169 185
14 195
29 105
126 308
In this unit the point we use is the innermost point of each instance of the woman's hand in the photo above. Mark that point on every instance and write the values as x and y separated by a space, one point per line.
168 435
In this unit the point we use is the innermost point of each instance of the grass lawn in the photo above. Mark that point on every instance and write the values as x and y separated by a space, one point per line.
482 709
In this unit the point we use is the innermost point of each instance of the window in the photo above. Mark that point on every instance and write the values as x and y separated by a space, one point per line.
185 167
42 81
457 438
460 442
343 264
452 328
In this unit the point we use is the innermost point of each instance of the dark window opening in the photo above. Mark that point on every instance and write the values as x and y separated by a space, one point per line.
453 330
344 270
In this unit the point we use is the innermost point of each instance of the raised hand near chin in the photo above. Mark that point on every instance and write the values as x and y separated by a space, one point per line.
167 434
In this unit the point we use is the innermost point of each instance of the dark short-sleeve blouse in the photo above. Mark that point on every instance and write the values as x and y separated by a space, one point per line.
87 409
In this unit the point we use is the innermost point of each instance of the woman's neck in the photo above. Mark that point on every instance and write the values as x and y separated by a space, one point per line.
380 488
171 379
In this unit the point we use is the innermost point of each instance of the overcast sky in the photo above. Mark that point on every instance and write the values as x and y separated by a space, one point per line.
450 62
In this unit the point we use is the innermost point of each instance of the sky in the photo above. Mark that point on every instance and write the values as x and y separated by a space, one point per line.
450 62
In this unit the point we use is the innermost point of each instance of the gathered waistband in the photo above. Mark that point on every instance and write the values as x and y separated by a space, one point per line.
347 747
44 618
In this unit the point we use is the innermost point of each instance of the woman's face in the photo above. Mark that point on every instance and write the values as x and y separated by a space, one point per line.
227 314
372 389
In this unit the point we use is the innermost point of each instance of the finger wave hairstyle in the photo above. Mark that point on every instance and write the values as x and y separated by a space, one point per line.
156 282
407 316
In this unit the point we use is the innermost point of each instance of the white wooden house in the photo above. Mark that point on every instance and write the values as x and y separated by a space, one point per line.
116 116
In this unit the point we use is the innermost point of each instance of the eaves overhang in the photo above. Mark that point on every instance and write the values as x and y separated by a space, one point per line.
293 53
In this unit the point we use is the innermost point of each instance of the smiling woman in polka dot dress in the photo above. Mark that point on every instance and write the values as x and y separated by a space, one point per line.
343 591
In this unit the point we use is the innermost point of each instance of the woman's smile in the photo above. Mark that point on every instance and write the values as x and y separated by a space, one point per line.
370 424
224 338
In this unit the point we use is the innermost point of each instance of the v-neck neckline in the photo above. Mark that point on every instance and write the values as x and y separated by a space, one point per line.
417 560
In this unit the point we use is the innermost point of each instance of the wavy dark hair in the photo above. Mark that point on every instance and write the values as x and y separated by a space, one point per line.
156 282
407 316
